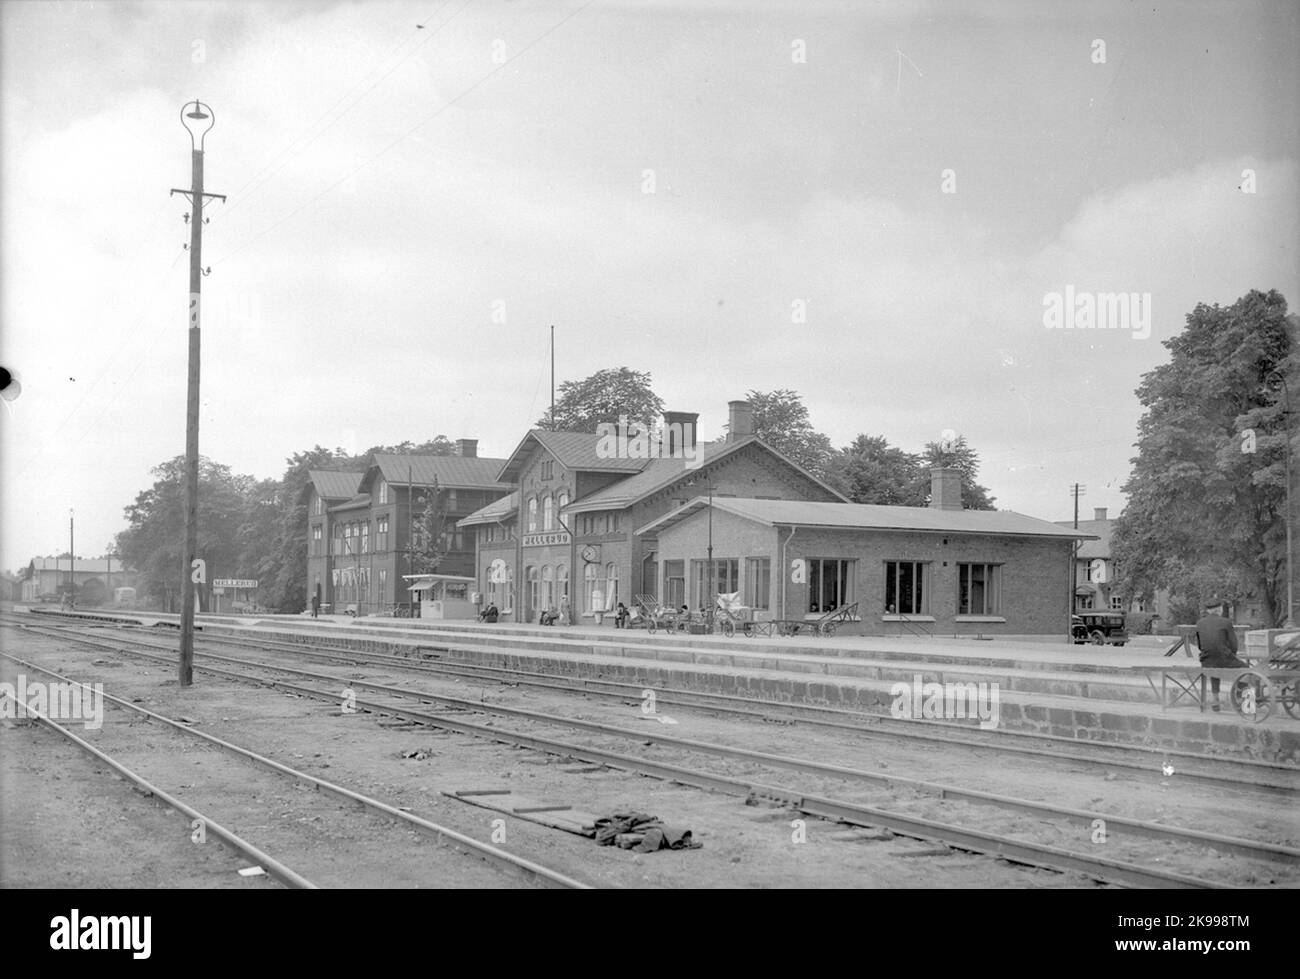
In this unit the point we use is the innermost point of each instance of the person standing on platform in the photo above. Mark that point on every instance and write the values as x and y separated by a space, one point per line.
1217 641
315 606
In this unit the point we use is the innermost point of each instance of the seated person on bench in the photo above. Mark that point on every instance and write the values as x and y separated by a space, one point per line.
1217 641
490 613
549 616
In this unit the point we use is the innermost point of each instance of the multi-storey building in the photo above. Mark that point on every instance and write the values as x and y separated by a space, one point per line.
566 535
360 545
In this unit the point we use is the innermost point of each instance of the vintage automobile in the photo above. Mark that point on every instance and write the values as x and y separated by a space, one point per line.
1099 628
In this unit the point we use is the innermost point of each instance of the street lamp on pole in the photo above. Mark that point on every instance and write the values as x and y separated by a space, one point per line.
72 560
198 120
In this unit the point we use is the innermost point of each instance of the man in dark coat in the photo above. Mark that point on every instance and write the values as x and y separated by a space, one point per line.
1217 641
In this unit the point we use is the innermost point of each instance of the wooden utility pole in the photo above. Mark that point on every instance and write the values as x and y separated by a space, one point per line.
199 120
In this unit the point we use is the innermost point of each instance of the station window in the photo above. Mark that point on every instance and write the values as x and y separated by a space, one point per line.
758 582
905 588
830 584
548 513
726 579
381 534
674 596
979 589
383 491
532 514
548 469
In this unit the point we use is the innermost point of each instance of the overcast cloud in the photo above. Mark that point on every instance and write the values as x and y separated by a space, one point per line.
352 294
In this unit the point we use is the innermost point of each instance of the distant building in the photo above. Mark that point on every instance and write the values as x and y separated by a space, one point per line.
359 524
96 579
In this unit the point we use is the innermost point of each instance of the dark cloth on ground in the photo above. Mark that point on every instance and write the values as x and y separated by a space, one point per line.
643 833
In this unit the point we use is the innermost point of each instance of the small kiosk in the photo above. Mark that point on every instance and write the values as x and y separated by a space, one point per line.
442 596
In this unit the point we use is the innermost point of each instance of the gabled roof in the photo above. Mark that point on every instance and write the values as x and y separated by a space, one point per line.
573 450
88 565
449 472
659 474
501 509
865 516
331 485
1099 529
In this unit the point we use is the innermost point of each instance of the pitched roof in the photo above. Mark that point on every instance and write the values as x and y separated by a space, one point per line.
333 485
1100 529
500 509
449 472
89 565
661 473
865 516
573 450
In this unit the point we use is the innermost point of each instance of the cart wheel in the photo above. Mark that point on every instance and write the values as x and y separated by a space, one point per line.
1250 696
728 629
1098 637
828 629
1290 697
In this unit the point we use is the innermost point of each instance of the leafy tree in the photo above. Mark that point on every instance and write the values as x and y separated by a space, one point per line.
429 531
870 470
960 456
781 420
1206 515
154 541
605 396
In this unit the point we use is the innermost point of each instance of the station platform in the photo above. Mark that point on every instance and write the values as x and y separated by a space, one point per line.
1080 692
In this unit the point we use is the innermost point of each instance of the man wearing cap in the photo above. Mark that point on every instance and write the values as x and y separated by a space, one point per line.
1217 641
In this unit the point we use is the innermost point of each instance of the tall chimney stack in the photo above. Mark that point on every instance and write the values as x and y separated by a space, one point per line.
679 432
467 448
945 489
740 420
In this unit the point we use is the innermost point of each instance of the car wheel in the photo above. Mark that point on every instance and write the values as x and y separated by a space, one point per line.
1098 638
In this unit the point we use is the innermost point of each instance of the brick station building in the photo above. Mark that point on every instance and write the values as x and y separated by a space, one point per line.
566 536
582 531
359 523
923 570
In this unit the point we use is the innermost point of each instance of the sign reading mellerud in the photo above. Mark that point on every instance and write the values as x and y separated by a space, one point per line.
234 583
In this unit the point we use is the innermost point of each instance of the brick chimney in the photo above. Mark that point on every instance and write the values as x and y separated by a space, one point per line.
679 432
945 489
740 420
467 448
1099 513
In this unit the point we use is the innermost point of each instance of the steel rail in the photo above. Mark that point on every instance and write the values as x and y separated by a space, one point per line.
275 868
1041 855
874 727
442 833
1145 828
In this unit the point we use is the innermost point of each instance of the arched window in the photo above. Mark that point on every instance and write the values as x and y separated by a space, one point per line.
562 584
611 586
548 512
548 586
532 514
561 502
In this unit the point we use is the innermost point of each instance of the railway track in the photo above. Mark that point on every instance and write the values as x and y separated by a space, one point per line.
1123 872
1239 774
445 836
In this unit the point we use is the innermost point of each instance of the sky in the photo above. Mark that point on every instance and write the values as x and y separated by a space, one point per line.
872 204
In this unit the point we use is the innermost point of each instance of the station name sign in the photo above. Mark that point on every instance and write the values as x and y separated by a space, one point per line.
234 583
541 540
